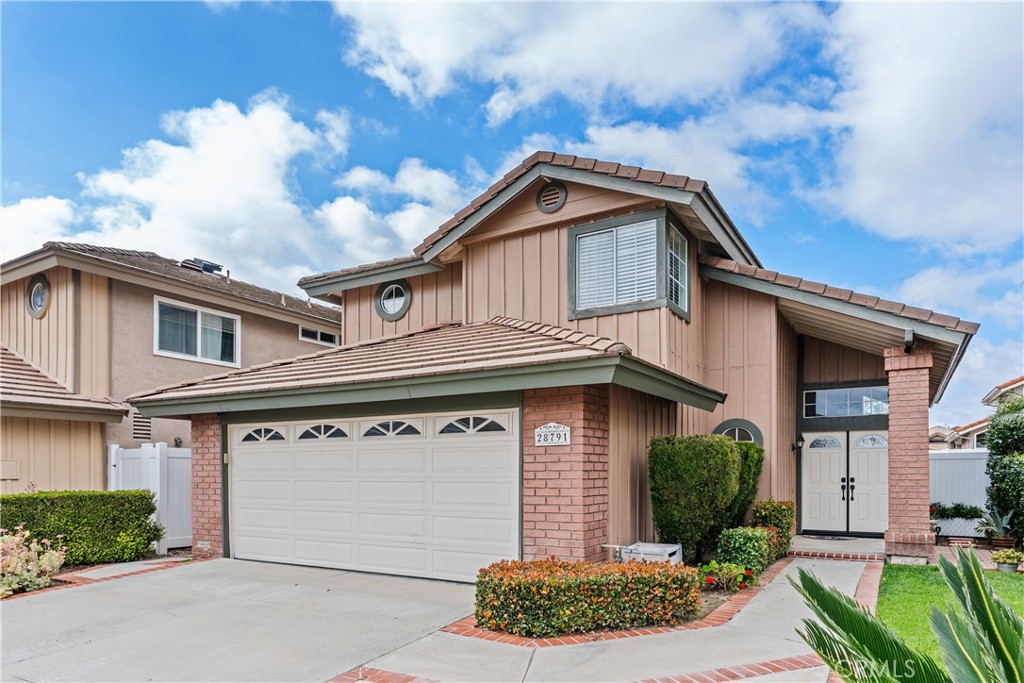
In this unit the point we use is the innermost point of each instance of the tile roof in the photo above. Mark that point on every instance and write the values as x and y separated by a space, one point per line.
25 385
309 279
865 300
971 425
449 349
1010 383
609 168
189 272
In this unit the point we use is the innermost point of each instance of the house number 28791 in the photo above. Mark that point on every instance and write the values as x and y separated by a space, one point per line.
551 434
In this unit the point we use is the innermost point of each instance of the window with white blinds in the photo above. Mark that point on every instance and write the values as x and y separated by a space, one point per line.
617 266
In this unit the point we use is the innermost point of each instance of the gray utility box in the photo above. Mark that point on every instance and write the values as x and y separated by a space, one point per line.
652 552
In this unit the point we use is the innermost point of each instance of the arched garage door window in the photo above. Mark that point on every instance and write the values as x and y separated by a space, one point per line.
740 430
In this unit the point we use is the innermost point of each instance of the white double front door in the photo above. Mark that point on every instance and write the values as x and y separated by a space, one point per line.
845 482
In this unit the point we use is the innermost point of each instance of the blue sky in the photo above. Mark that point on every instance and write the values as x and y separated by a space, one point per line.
874 146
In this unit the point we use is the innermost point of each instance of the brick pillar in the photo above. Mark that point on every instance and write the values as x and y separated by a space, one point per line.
908 538
565 488
207 520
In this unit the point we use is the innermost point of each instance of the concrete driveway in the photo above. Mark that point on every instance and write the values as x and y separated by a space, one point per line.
224 620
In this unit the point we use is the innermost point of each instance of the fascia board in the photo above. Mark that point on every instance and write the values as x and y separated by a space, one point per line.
343 283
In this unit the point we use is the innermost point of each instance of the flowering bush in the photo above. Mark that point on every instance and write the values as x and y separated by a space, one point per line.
725 576
26 564
777 513
778 542
1008 556
544 598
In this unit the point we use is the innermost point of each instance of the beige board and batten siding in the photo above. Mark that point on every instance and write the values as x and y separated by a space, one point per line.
52 455
436 299
784 473
634 418
48 341
826 361
517 265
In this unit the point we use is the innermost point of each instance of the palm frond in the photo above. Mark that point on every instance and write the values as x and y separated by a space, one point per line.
962 651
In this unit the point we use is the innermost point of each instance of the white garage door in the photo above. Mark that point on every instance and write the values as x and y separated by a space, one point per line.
422 495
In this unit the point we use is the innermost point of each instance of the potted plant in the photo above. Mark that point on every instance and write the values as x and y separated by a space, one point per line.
997 528
1007 560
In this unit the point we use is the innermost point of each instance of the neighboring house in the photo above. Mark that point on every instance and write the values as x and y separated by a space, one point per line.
1013 387
84 326
496 390
971 435
937 435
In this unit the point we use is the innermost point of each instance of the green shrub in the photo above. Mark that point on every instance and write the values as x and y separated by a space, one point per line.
751 462
1005 433
780 514
955 511
1006 488
778 542
26 564
745 546
545 598
725 576
93 526
694 480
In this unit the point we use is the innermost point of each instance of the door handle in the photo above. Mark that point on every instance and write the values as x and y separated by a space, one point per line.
843 487
851 480
843 479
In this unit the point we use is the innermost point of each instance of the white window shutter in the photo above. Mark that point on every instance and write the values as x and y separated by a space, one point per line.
636 262
595 269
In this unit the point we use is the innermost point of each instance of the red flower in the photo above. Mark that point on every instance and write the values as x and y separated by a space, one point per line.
743 585
710 579
749 573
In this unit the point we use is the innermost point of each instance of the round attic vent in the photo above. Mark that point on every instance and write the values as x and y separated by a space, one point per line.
551 197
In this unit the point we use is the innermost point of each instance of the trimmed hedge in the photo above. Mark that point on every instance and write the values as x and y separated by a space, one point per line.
745 546
546 598
940 511
94 526
694 480
778 542
751 463
780 514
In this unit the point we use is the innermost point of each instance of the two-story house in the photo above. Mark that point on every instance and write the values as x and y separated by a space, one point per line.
84 326
496 390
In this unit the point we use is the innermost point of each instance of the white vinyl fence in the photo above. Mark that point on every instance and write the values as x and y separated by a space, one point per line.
958 476
167 472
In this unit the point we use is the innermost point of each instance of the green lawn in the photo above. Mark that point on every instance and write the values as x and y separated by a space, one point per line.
908 593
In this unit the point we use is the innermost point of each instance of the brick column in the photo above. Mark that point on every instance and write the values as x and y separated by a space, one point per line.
565 488
207 520
908 538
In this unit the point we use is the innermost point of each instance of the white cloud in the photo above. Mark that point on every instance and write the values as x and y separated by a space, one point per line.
337 127
363 233
651 54
931 98
984 291
985 365
25 225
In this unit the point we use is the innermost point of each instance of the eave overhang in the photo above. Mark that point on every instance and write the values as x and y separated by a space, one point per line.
843 323
623 370
328 286
46 411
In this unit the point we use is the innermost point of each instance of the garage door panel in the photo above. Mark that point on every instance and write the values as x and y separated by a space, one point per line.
414 526
457 564
393 557
499 531
324 552
248 489
469 460
430 505
262 547
397 492
474 494
264 461
371 461
326 491
324 461
324 521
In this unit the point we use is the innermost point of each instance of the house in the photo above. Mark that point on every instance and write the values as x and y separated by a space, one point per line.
85 326
495 391
1013 387
970 435
937 435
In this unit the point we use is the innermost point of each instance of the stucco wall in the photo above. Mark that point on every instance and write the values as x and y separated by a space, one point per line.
137 368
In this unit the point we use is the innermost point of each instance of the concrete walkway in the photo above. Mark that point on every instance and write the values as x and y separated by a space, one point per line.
764 630
229 620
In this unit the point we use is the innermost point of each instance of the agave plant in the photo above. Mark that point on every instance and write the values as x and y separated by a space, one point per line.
995 524
982 641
